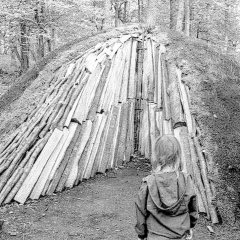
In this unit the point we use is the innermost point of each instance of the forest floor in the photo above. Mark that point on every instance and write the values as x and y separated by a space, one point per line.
100 208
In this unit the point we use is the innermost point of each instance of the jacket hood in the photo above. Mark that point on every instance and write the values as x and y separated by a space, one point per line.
167 190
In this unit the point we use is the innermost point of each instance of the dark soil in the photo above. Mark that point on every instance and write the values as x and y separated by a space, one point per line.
101 208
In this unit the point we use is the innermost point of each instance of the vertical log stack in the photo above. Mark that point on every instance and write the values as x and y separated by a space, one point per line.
101 107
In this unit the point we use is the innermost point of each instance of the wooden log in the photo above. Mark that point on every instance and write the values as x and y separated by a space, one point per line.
43 178
87 150
140 59
159 80
99 156
150 72
155 62
70 158
212 210
57 158
185 147
63 159
152 123
71 106
132 76
84 79
197 176
183 164
17 173
159 123
126 73
12 162
147 133
201 207
122 138
36 170
131 126
185 102
118 75
28 167
116 135
82 109
99 129
124 38
114 49
177 114
90 62
77 152
110 130
145 77
96 100
165 82
81 154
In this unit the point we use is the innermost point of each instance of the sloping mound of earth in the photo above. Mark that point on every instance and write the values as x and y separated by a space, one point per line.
103 208
214 81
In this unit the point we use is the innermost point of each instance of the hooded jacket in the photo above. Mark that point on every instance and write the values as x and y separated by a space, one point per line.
166 205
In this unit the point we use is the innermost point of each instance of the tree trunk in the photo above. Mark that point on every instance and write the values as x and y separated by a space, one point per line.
116 14
191 17
39 17
125 12
107 9
173 13
225 49
140 11
187 25
180 16
24 46
152 13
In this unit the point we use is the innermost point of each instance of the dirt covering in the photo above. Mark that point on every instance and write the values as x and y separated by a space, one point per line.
214 81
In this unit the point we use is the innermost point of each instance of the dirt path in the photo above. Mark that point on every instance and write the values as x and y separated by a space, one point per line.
101 208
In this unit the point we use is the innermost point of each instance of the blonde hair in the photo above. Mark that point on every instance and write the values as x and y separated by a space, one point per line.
167 151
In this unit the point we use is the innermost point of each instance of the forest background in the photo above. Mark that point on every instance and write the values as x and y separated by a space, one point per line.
30 29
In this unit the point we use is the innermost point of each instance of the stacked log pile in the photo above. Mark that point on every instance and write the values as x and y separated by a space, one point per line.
115 99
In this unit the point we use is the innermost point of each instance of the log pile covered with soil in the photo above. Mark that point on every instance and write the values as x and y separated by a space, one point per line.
113 100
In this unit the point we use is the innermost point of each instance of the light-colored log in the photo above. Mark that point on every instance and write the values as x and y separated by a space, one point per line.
95 103
89 168
120 158
152 123
165 82
62 160
37 168
177 132
185 102
132 76
69 158
77 152
212 210
126 72
159 80
116 135
83 149
82 109
58 154
100 152
197 176
28 167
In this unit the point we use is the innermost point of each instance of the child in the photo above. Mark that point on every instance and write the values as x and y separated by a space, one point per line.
166 206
